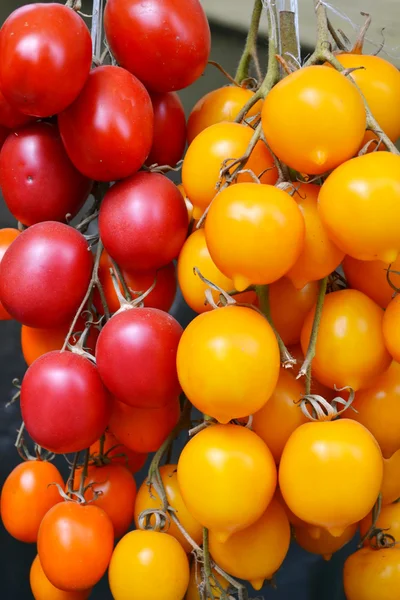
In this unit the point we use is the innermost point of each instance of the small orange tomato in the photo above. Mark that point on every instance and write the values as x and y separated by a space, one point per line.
370 574
257 552
388 520
228 362
222 104
326 544
377 407
391 479
227 477
319 256
26 497
42 589
147 499
281 415
289 307
205 155
314 119
350 347
195 253
370 277
255 233
75 544
193 592
330 473
7 236
118 454
391 328
359 205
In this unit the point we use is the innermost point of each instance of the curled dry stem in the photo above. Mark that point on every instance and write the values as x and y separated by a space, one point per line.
321 409
359 43
377 536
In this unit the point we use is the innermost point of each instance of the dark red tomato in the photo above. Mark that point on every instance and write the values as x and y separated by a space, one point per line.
143 222
46 53
161 297
7 236
108 130
38 181
165 43
4 133
169 130
45 274
10 117
136 357
64 405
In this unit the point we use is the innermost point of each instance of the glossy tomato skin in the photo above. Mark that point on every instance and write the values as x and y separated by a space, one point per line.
148 565
391 330
370 277
63 402
108 131
147 338
42 589
119 454
143 222
10 117
75 544
37 179
46 53
169 130
369 574
143 429
27 495
45 274
314 119
7 236
350 348
166 44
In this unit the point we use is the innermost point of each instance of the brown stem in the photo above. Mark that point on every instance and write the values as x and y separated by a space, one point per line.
359 43
341 46
250 49
289 43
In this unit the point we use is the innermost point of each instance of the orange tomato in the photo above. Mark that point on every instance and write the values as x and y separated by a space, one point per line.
359 205
147 499
390 489
255 233
119 454
325 544
314 119
26 497
257 552
75 544
7 236
222 104
205 155
370 277
350 347
391 328
42 589
193 592
388 520
370 574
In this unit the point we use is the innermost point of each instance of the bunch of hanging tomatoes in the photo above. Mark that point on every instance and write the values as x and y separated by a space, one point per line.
284 237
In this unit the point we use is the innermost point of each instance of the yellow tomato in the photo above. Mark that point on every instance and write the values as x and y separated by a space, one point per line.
390 489
359 204
388 520
326 544
350 347
222 104
42 589
371 574
314 119
391 328
330 473
196 578
147 499
255 233
147 565
228 362
205 155
257 552
195 253
370 277
227 477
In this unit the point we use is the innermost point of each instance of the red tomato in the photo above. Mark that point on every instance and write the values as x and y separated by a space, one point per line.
7 236
161 297
143 429
108 130
169 130
143 222
46 53
118 453
26 497
10 117
136 357
37 179
42 589
4 133
165 43
45 274
64 404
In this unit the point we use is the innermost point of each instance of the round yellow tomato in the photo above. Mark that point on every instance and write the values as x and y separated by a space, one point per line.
42 589
350 347
195 253
222 104
359 205
147 499
205 155
314 119
388 520
330 473
196 578
370 277
147 565
255 233
257 552
280 416
325 544
391 328
319 256
228 362
371 574
390 489
227 477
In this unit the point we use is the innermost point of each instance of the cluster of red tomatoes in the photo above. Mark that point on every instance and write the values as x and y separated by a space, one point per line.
270 206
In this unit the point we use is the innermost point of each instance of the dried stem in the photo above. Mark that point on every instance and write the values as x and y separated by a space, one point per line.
289 42
250 49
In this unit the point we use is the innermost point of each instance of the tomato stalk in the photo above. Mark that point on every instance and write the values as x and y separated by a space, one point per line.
289 46
250 49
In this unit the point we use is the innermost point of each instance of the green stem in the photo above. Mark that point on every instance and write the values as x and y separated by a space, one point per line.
289 43
250 49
